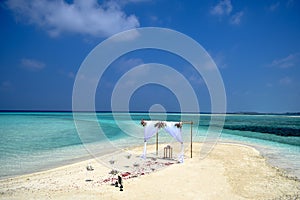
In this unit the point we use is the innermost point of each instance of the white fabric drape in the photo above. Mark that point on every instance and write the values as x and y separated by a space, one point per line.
181 155
145 150
176 133
150 130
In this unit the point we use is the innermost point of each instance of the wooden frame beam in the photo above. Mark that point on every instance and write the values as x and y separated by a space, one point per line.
191 123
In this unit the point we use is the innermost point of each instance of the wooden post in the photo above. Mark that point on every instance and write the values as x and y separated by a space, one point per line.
191 139
156 143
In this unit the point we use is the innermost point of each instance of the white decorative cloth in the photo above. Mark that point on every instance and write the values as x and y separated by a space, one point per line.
150 130
171 128
176 132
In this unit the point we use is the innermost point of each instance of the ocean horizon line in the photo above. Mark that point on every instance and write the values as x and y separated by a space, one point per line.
171 112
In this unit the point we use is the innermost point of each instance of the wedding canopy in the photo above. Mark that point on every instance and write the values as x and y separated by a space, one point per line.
151 128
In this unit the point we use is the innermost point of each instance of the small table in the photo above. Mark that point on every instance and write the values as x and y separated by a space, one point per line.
168 151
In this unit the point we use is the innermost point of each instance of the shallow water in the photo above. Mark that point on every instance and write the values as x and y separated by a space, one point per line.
34 141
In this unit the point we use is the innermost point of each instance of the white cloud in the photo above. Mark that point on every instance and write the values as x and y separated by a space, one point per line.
206 64
285 81
236 18
274 6
69 74
86 17
196 79
32 65
219 59
155 20
269 85
222 8
286 62
126 64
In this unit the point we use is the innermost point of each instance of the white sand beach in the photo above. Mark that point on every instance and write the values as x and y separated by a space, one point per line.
230 171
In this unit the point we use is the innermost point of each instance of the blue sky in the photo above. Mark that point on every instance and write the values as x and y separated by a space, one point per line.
255 45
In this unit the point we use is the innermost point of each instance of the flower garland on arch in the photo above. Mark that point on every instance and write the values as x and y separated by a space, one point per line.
178 125
143 123
160 125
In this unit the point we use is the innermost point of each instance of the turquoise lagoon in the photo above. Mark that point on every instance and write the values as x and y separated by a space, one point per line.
35 141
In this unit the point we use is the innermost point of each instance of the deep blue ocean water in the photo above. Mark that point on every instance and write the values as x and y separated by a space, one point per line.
35 141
